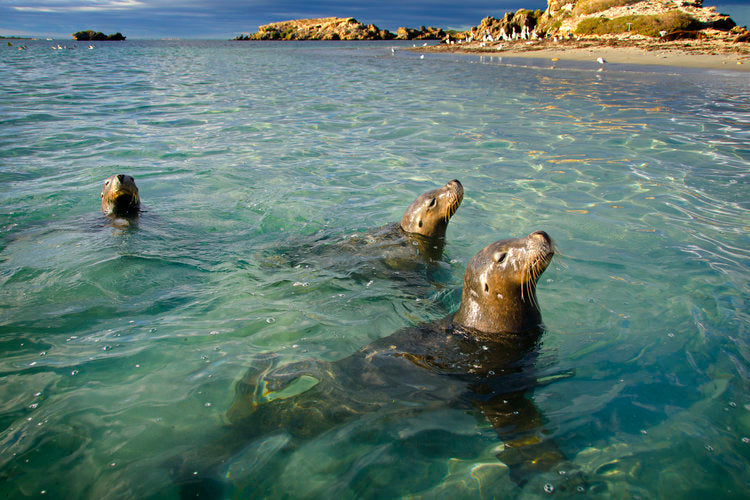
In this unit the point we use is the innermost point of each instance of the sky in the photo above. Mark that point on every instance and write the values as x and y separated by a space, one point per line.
223 19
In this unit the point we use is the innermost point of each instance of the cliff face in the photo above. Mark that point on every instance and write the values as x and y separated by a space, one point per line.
328 28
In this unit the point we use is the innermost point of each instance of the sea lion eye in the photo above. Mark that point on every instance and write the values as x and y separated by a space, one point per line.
501 258
486 287
420 222
106 183
433 202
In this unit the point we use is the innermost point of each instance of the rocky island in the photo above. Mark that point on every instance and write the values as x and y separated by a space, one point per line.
97 36
337 28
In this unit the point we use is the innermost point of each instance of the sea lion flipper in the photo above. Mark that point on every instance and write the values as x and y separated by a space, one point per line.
246 388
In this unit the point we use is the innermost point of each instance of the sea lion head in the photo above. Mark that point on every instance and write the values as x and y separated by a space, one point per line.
120 196
499 293
429 214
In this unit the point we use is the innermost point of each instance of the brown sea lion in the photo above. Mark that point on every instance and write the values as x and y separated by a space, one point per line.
474 360
120 196
416 240
430 213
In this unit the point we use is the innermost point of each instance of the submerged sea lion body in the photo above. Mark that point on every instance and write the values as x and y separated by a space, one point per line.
472 360
120 196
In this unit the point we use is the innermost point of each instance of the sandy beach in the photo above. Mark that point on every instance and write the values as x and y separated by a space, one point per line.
691 54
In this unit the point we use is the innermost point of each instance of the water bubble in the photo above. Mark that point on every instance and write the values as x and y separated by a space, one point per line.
270 320
709 448
580 489
733 404
42 354
107 348
113 464
37 394
74 372
485 348
204 357
746 440
549 489
213 332
43 492
491 372
131 321
34 405
137 366
32 363
300 283
369 283
644 431
151 330
294 346
207 405
562 472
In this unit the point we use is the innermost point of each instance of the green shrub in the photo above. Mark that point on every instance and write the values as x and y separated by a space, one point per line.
642 25
593 6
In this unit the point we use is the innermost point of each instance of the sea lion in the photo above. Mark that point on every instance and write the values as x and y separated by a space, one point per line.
415 242
120 196
473 360
430 213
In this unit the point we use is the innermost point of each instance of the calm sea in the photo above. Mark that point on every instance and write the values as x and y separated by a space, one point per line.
121 345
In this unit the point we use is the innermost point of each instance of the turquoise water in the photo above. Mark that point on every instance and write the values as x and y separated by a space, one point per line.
121 344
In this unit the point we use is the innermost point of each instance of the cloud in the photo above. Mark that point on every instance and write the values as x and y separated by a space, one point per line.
64 7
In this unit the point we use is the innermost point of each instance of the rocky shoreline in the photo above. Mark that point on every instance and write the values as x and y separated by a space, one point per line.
573 29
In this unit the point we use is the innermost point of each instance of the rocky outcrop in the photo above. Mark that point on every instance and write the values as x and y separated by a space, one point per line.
98 36
328 28
665 19
653 18
423 33
520 24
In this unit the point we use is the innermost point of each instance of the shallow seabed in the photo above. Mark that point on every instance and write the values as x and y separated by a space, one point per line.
121 344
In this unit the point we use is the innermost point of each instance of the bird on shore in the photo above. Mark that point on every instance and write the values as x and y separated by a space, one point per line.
600 60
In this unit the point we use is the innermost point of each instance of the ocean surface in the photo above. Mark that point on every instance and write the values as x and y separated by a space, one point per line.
122 341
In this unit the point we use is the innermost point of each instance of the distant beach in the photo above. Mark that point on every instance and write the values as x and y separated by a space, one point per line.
690 54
